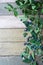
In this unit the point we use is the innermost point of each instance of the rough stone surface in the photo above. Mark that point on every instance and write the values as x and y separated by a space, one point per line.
11 60
4 1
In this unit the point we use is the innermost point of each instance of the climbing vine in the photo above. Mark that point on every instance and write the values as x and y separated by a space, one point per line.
32 11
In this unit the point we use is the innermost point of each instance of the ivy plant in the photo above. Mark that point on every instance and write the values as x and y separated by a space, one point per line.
32 11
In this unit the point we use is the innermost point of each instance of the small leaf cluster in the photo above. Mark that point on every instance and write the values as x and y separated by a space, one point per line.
10 8
30 6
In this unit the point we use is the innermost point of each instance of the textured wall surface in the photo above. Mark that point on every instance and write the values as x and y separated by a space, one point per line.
11 48
11 38
14 35
12 60
12 41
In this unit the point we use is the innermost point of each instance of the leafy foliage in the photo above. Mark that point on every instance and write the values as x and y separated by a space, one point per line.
31 9
11 8
29 6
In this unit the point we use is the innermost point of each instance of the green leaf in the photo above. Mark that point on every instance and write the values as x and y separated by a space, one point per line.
25 34
37 43
32 41
30 1
21 3
30 28
37 30
28 56
25 1
23 17
17 2
10 5
29 47
42 11
33 55
8 8
33 7
34 63
34 35
39 52
26 23
24 54
15 12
